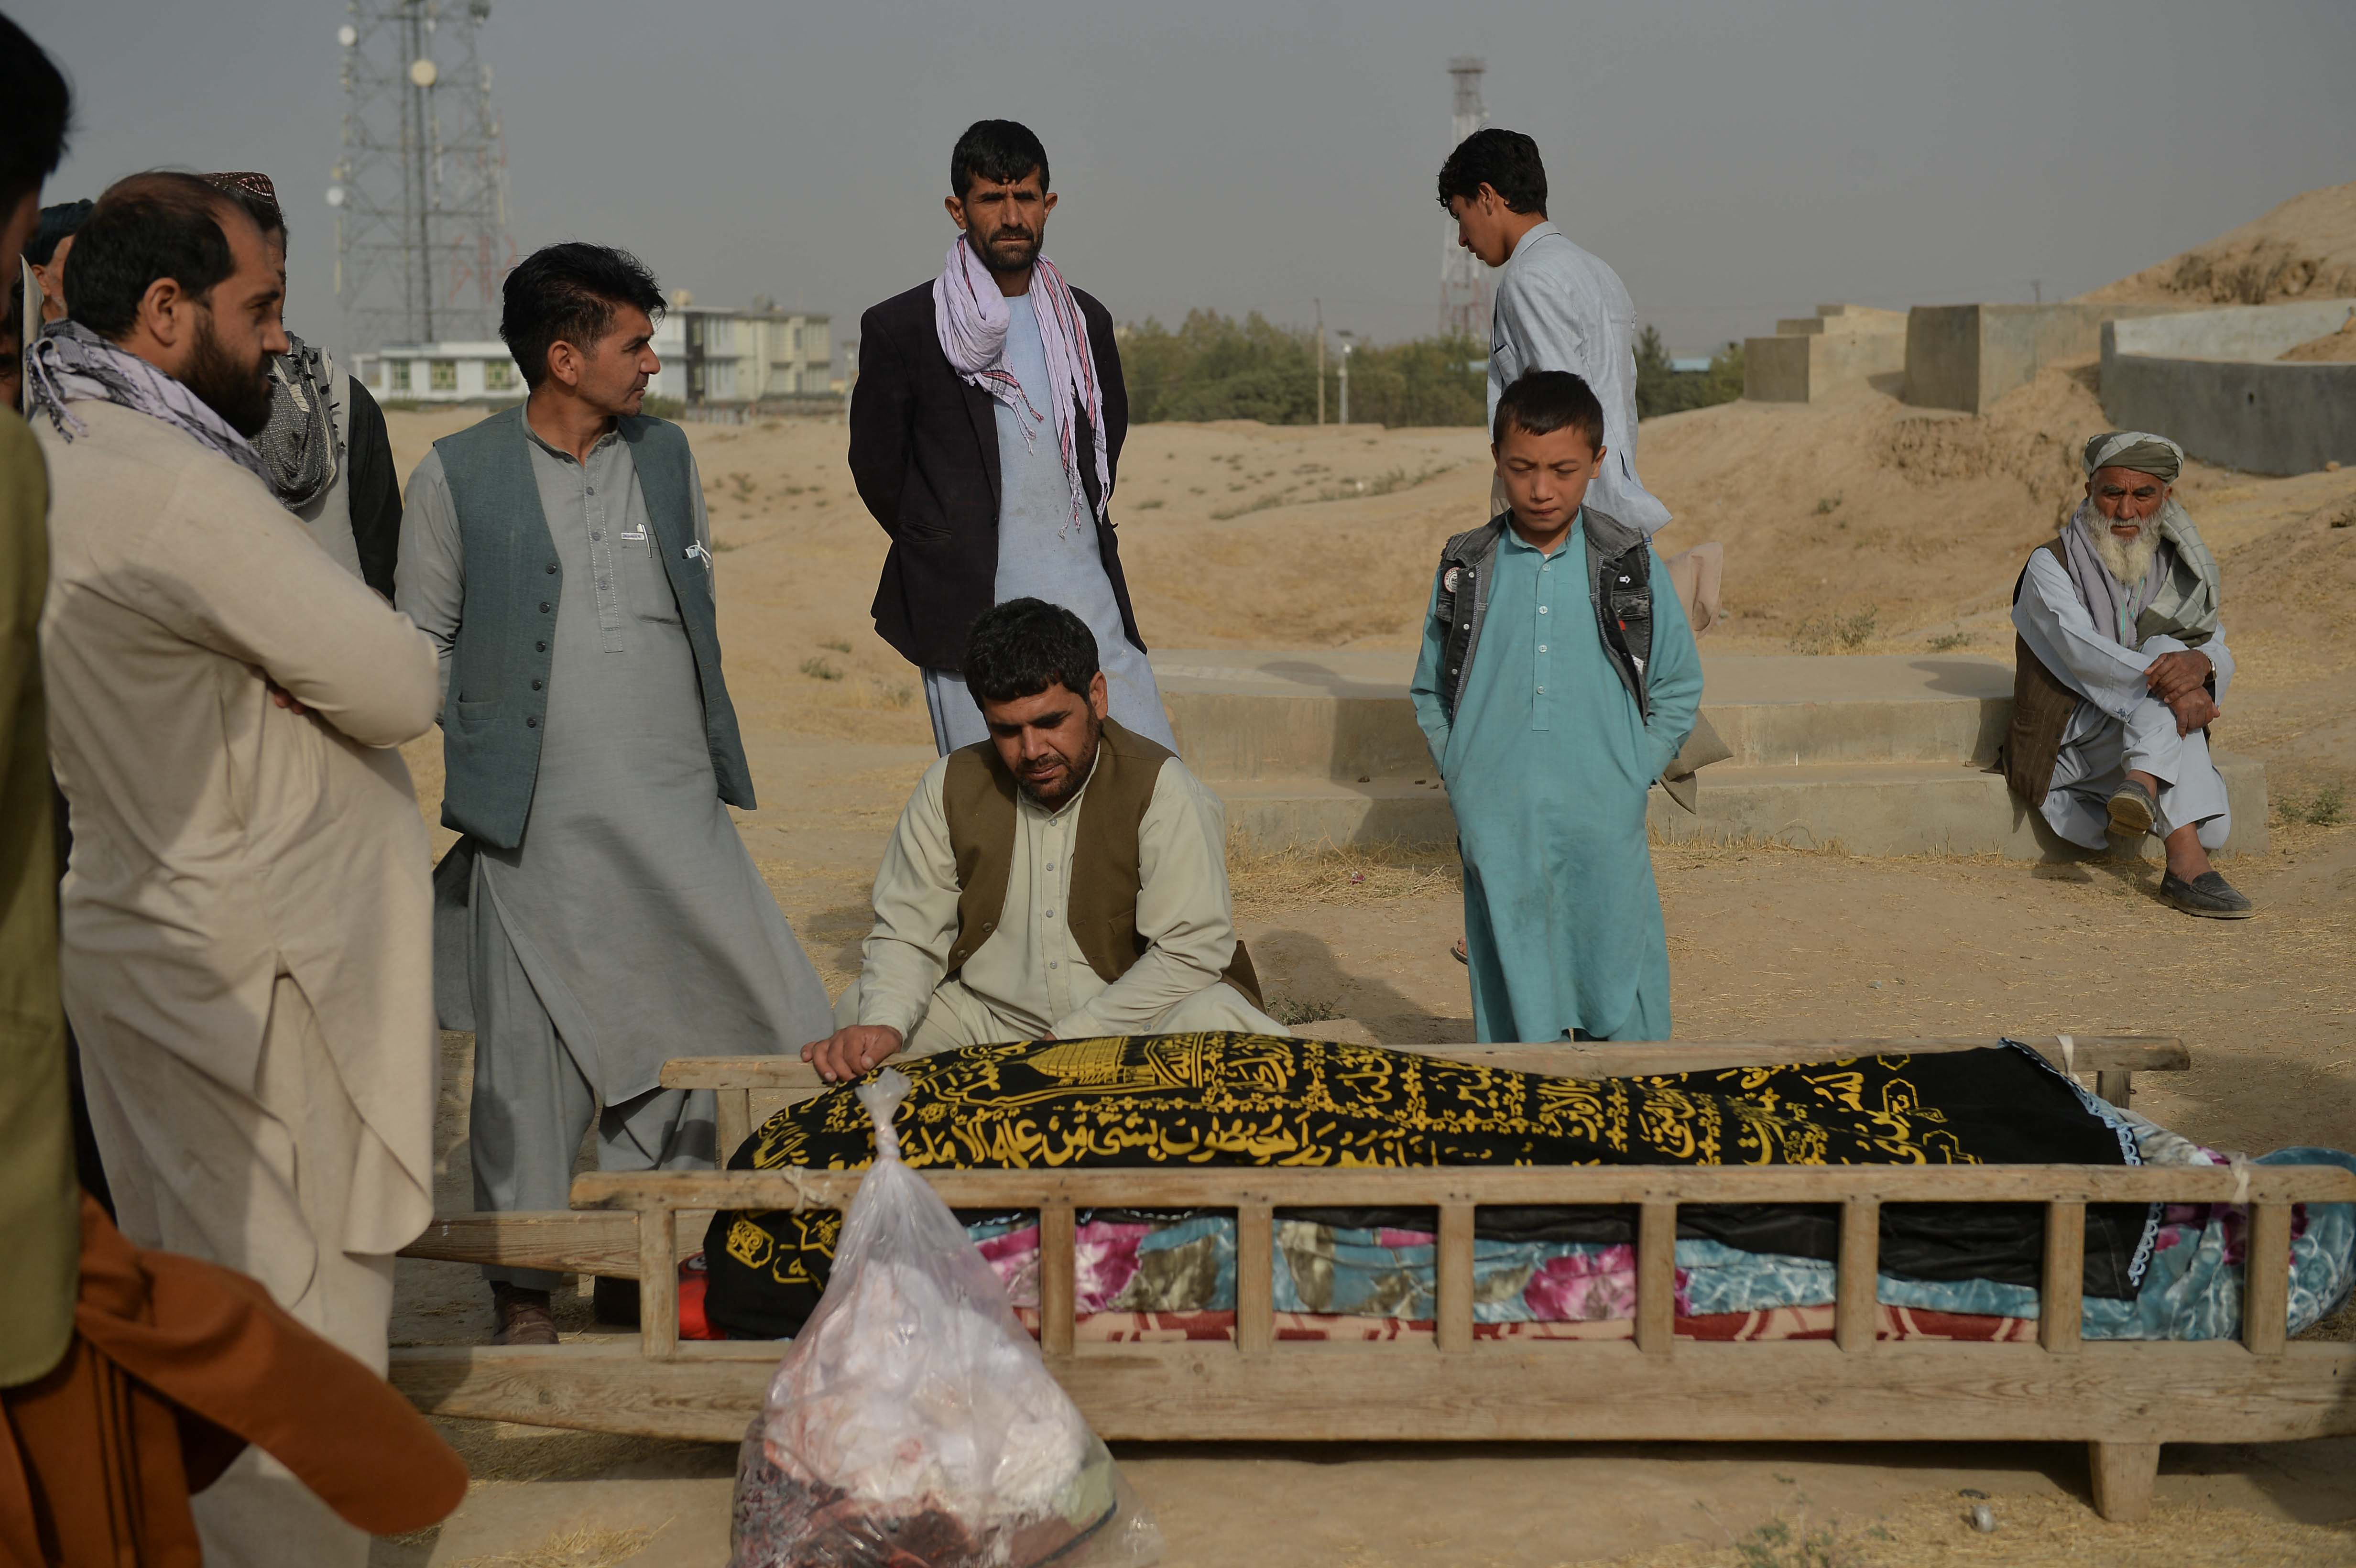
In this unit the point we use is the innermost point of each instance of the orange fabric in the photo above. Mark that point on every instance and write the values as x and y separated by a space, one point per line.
176 1365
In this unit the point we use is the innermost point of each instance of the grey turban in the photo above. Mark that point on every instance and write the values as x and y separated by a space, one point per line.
2144 452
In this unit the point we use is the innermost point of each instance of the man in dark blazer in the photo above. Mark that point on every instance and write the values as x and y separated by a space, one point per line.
986 428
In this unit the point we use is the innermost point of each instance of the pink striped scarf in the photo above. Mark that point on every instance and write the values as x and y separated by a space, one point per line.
971 317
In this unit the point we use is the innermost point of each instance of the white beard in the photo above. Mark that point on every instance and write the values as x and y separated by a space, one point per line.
2129 563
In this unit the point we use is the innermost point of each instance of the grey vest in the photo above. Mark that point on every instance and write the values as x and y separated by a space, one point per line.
504 649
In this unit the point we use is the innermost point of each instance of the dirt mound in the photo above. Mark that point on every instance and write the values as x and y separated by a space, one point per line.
2305 249
1868 507
2331 346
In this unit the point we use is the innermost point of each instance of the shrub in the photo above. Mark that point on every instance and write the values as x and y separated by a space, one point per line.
1661 389
1835 634
1211 367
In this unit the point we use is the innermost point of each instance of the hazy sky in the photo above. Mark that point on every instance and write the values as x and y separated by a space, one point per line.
1734 161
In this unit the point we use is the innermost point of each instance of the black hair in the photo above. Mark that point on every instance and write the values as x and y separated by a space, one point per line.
36 108
57 222
1021 647
1001 151
1505 161
145 226
567 294
1544 402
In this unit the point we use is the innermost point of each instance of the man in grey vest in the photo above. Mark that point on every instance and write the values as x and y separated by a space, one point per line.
600 915
1063 879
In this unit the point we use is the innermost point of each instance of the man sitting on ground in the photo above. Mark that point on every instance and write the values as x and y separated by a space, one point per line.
1062 880
2119 668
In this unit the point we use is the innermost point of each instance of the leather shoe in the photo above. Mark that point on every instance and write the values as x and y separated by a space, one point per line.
2132 810
522 1316
2208 895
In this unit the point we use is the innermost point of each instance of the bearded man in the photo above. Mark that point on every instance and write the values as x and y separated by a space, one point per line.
329 456
1063 879
2119 668
985 435
247 915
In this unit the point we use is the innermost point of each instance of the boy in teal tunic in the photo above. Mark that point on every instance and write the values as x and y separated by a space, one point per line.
1553 693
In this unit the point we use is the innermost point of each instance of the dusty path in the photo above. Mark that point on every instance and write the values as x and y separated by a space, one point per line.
1766 941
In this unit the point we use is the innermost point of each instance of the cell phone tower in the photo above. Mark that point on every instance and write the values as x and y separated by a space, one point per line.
421 191
1463 280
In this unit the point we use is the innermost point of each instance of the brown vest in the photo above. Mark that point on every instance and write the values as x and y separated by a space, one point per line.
2041 705
978 799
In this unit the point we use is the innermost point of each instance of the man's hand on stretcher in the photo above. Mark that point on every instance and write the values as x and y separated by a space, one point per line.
849 1053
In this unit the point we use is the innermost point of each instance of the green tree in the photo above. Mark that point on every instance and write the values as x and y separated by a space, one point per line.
1662 389
1211 367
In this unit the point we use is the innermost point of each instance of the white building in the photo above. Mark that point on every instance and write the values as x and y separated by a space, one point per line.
716 355
441 373
710 357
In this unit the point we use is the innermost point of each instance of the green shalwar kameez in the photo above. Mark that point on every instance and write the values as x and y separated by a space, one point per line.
1546 764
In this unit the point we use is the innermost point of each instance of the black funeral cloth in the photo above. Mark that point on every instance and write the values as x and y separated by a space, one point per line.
1226 1099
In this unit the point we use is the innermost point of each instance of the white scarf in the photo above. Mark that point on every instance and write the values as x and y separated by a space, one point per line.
971 317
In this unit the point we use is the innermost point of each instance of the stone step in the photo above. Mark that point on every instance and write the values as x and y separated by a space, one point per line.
1344 715
1865 808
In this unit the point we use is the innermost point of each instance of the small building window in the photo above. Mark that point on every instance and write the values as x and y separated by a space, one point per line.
499 375
399 370
444 373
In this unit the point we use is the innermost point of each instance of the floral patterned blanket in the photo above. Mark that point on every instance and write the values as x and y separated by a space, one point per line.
1339 1276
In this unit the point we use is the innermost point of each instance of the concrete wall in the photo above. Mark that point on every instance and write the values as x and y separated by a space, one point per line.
1792 368
1967 356
2209 380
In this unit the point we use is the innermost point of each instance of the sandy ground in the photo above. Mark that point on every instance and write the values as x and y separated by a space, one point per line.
1862 523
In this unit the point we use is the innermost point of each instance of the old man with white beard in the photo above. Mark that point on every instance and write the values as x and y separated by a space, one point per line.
2120 666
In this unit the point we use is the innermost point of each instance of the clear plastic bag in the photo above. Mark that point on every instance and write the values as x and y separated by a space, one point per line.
912 1425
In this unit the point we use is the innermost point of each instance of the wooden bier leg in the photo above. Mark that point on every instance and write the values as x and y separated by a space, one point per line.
1058 1234
732 1122
2265 1280
2061 1301
2115 1085
2124 1474
1254 1277
1656 1276
658 1282
1455 1281
1856 1289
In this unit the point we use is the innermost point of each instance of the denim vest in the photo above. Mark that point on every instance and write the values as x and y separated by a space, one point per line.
504 648
1619 582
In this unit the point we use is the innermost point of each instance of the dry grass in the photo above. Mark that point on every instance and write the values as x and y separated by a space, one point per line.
1934 1531
1266 882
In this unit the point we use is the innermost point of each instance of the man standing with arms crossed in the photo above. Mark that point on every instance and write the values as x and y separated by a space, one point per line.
985 434
247 926
1558 307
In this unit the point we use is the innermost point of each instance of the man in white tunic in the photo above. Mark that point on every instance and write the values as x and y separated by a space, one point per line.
1063 879
1558 307
2119 669
247 947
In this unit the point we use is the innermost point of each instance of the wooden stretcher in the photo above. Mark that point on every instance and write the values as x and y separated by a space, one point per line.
2123 1399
